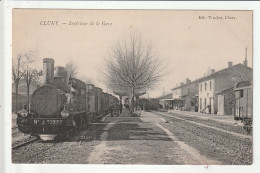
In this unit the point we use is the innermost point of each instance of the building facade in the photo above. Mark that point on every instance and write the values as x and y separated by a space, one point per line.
164 101
206 96
185 96
215 90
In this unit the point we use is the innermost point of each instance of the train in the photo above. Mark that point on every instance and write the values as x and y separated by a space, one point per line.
243 107
62 105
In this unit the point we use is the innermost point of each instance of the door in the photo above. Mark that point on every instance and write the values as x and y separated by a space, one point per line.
221 105
211 106
237 108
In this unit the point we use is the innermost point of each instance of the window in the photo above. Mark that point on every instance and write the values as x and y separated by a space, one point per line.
82 92
241 93
200 103
210 85
205 86
205 103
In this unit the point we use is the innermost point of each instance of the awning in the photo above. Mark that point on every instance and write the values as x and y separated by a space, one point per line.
177 99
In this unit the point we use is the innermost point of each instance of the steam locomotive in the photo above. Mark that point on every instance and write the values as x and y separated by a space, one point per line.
62 105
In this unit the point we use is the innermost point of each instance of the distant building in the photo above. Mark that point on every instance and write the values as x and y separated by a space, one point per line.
22 93
22 89
21 100
164 100
185 96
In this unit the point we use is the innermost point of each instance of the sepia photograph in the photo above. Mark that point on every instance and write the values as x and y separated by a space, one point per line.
132 87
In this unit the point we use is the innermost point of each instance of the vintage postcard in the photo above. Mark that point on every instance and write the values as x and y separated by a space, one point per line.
146 87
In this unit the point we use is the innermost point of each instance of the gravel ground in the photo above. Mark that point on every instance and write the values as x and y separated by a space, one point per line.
212 143
31 153
18 137
141 143
69 151
148 139
128 140
234 128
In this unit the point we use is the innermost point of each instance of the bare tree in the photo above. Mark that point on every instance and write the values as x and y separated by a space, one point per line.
72 69
17 73
132 68
30 73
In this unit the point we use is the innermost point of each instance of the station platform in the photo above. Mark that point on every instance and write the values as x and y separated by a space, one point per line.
226 119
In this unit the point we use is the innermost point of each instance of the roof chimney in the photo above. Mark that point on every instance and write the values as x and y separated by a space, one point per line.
188 80
48 71
230 64
245 62
212 71
182 83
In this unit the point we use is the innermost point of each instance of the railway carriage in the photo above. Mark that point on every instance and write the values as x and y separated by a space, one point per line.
243 108
92 102
99 101
106 103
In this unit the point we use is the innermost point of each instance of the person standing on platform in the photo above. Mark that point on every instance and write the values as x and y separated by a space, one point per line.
111 110
121 108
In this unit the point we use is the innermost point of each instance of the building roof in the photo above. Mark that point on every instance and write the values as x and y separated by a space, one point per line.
224 90
188 95
243 85
167 96
197 80
215 74
234 67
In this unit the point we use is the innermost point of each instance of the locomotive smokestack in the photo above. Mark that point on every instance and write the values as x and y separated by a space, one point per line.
230 64
48 71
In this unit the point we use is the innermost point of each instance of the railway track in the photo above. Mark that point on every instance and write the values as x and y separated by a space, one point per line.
187 119
23 143
15 127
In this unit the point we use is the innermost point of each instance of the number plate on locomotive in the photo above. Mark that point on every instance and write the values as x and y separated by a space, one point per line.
43 122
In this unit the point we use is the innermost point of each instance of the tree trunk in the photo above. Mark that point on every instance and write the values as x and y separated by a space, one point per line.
16 95
28 96
120 100
137 101
132 103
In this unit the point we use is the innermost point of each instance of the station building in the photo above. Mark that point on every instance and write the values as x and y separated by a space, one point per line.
216 90
212 94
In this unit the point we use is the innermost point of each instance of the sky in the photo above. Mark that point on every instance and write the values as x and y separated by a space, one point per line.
188 43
